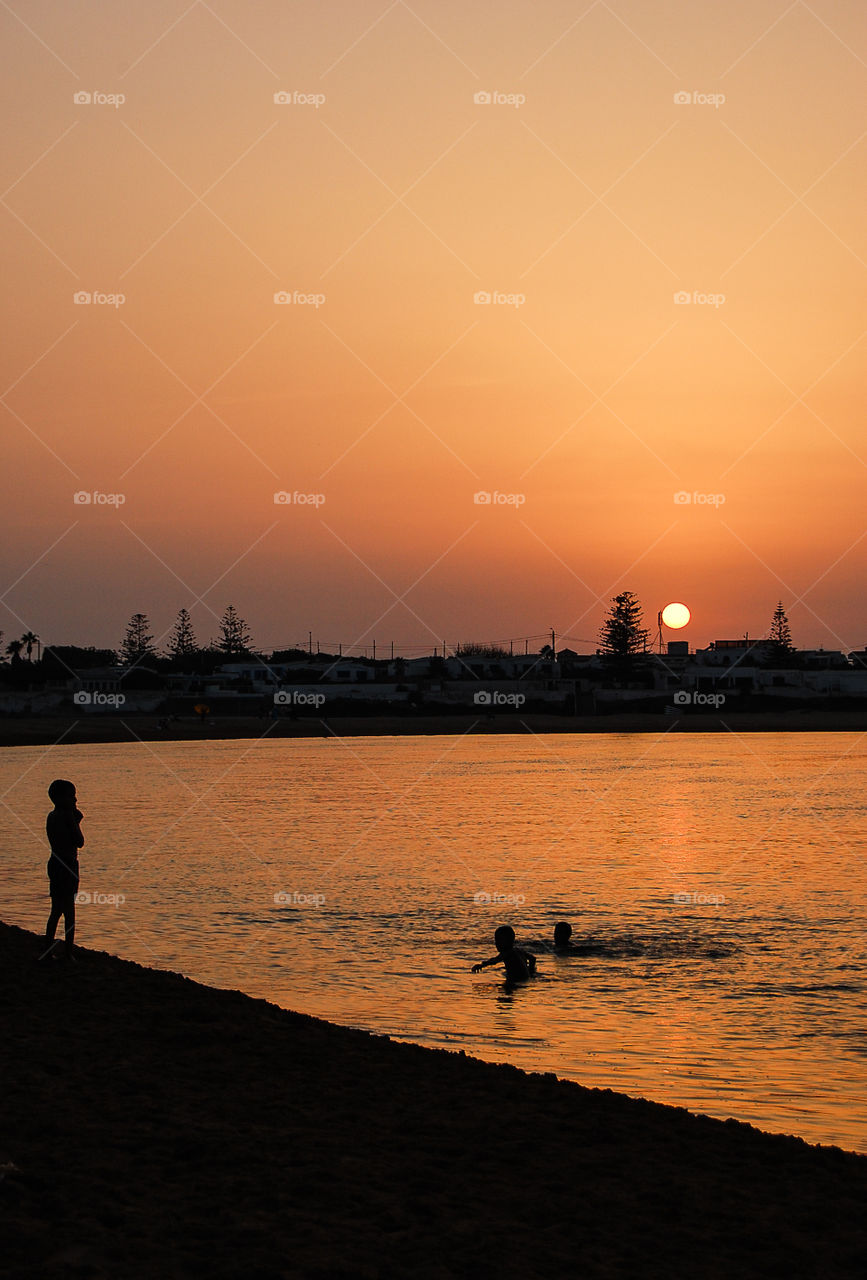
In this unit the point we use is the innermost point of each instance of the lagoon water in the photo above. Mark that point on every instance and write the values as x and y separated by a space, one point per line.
722 880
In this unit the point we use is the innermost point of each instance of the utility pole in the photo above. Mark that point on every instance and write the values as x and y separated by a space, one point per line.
310 643
553 647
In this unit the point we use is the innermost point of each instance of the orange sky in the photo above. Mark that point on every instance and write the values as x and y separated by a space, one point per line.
398 198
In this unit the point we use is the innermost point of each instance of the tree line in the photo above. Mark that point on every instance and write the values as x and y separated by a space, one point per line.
622 639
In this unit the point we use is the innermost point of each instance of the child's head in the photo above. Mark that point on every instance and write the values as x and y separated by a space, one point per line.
61 792
504 937
562 933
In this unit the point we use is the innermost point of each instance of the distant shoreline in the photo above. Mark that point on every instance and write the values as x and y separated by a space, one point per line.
18 731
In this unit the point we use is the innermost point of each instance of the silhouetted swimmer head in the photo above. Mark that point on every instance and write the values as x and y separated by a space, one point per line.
504 938
562 934
61 792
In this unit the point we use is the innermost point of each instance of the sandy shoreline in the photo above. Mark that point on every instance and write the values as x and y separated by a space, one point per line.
18 731
161 1127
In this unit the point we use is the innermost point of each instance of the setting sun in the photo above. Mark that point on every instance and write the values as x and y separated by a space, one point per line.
675 615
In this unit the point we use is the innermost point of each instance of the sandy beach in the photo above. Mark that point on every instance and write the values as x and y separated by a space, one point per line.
19 731
154 1126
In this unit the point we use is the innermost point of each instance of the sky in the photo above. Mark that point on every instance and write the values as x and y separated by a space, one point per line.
602 264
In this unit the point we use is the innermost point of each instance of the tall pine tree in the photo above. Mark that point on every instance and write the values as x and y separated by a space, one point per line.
622 635
780 650
622 638
138 642
235 638
183 641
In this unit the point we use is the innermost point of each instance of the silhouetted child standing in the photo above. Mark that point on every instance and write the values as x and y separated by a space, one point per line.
520 965
63 828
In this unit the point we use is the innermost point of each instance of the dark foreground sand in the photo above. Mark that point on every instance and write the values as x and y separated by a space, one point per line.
19 731
159 1128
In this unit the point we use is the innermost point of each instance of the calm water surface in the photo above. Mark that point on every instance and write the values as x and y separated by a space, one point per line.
721 880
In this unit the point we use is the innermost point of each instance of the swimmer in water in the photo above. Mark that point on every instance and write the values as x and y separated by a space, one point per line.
563 945
520 965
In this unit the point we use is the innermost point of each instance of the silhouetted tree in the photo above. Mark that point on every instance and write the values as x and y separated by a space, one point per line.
476 650
780 651
14 648
60 658
183 641
235 639
138 642
622 635
29 639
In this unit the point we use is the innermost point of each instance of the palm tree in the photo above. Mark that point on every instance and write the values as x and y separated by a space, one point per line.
14 648
29 639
